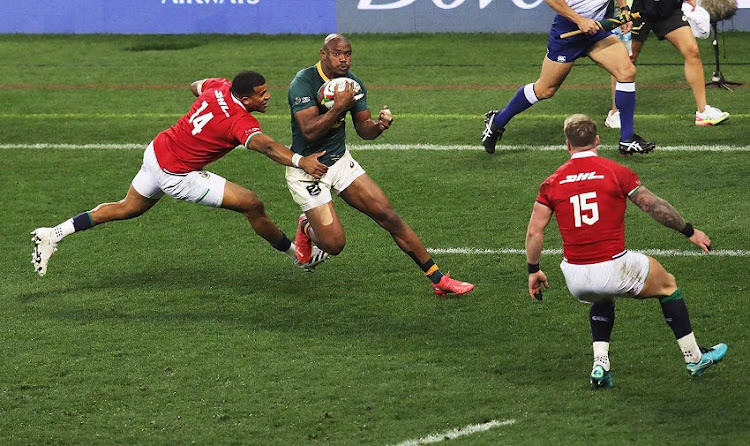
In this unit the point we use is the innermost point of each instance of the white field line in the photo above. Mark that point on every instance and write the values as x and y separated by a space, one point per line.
396 147
649 252
458 432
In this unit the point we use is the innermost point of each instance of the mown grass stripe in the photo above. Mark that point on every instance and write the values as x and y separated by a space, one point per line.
356 147
649 252
275 116
458 432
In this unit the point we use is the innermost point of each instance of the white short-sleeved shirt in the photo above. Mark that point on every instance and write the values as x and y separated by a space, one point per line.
591 9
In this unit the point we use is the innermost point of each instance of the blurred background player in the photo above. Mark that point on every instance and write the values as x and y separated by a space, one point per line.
602 47
316 129
219 120
589 196
666 19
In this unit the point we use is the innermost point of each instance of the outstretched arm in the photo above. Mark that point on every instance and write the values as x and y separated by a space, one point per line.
266 145
540 217
663 212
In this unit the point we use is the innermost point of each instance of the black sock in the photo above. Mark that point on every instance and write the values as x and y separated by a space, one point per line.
676 314
429 268
83 221
602 319
283 244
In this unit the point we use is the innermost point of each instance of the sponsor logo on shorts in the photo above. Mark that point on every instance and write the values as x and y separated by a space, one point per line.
351 165
313 189
205 174
562 59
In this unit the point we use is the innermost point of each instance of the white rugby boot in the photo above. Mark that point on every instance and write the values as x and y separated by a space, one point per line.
44 247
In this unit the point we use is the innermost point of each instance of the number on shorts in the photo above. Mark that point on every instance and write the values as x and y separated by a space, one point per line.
581 204
200 121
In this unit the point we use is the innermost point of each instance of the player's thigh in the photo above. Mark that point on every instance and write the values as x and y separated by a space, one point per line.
551 77
611 54
659 282
366 196
146 181
684 40
326 224
240 199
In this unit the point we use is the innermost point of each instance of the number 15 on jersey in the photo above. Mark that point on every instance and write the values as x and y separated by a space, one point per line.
585 203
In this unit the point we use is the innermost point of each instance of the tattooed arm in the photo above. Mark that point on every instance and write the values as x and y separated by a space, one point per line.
663 212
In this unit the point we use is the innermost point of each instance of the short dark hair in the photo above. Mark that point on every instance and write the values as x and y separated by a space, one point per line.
580 130
244 83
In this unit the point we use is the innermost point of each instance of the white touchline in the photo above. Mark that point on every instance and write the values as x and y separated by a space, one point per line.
649 252
458 432
393 147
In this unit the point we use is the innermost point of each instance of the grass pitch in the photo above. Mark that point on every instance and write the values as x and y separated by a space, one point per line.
182 326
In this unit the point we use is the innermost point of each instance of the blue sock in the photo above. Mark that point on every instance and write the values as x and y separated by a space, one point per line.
625 102
525 97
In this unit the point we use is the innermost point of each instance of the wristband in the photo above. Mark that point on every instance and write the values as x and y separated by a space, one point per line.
688 230
295 159
533 268
625 8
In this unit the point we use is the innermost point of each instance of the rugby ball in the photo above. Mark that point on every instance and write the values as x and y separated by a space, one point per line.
325 93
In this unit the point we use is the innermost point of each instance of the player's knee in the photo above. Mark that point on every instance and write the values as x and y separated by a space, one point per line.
628 73
253 207
544 92
692 53
332 245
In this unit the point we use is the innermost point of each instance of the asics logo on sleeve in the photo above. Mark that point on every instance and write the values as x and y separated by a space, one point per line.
582 177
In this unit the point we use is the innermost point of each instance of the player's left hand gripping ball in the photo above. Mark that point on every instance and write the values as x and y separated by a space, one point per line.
386 118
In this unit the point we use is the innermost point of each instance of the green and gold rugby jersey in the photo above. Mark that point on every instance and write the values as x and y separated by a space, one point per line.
303 94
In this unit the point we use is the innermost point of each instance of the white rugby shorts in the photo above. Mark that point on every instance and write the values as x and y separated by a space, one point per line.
310 193
198 186
622 276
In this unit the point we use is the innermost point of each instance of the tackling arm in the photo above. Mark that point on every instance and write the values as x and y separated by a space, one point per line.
266 145
540 217
663 212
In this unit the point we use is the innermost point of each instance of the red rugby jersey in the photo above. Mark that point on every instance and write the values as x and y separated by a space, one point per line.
216 124
589 196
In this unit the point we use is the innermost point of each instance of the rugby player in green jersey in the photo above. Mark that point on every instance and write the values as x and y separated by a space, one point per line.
317 129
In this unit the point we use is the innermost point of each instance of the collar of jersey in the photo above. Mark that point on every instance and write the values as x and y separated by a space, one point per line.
585 154
237 101
320 71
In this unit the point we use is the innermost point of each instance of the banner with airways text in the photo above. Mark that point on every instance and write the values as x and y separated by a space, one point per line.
286 16
168 16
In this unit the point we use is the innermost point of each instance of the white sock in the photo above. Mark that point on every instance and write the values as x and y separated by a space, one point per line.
63 230
290 252
689 347
601 354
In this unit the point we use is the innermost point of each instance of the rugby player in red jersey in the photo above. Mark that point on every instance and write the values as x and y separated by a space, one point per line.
173 164
589 195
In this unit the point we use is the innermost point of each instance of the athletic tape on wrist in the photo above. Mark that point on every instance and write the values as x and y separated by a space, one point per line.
295 159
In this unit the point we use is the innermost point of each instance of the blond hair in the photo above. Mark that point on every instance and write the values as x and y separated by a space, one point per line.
580 131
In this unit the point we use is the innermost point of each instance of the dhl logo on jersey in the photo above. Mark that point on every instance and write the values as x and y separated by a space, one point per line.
582 177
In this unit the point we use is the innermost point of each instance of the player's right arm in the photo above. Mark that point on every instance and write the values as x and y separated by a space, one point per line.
660 210
278 152
540 217
561 7
315 125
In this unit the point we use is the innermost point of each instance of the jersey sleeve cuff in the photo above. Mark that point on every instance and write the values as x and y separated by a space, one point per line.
247 141
630 194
